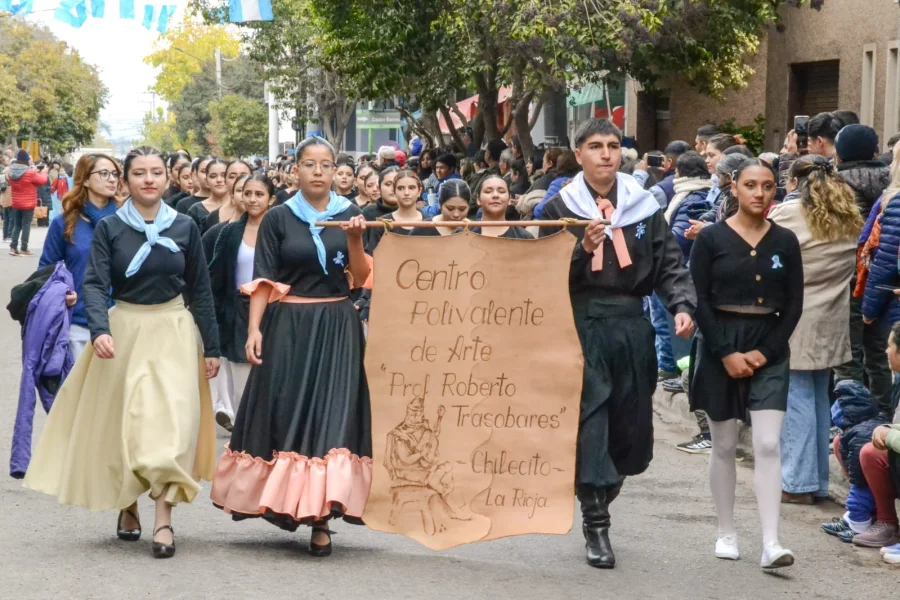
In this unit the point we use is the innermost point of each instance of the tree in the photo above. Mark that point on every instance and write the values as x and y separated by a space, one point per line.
191 110
537 45
295 67
184 52
160 131
239 126
47 92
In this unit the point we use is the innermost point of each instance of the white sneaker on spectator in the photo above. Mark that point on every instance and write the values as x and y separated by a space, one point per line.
727 548
892 549
775 557
892 558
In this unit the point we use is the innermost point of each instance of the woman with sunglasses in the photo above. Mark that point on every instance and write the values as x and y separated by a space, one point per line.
91 198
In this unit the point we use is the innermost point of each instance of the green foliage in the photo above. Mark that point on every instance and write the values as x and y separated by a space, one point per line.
183 52
754 134
239 126
47 92
160 131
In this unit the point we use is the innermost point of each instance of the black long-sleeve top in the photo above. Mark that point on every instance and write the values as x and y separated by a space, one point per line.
199 214
286 253
375 232
163 276
657 261
222 273
727 271
185 203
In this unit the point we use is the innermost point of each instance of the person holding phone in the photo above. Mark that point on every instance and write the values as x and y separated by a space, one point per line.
663 191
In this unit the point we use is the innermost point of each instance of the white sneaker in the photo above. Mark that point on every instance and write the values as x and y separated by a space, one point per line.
894 549
727 548
892 558
774 557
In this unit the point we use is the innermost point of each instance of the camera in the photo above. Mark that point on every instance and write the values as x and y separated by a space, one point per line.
656 161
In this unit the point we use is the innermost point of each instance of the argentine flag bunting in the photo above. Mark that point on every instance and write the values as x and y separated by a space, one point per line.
242 11
73 12
165 14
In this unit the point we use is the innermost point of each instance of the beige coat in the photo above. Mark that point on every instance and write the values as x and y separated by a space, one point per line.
822 338
5 197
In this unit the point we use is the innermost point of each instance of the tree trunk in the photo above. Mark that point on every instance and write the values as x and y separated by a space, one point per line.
477 124
487 105
520 120
454 132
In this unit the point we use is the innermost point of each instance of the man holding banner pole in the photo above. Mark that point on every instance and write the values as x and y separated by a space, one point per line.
612 268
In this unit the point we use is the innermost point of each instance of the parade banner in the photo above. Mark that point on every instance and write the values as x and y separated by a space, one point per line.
474 369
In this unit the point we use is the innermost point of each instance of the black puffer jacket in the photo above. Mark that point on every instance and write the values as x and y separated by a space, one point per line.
868 178
860 418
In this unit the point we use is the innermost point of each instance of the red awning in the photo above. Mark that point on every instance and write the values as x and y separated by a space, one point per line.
469 108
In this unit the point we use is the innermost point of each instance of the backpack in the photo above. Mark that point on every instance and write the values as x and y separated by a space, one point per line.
4 182
864 255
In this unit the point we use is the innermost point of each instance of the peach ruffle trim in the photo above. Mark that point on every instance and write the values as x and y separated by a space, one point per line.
277 291
292 484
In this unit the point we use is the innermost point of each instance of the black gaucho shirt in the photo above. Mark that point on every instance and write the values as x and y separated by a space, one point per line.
657 263
163 276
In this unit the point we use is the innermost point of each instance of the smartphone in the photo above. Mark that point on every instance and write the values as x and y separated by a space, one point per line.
655 161
800 128
884 288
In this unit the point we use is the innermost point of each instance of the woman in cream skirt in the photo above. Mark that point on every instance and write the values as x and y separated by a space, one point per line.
135 414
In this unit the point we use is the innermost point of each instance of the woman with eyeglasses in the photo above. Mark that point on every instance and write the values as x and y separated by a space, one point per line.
92 197
301 448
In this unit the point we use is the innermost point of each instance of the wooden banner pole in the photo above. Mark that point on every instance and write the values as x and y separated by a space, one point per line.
465 224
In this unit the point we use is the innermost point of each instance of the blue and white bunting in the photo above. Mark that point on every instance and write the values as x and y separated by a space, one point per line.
243 11
73 12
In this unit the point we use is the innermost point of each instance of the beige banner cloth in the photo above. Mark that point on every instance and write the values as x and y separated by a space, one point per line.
474 369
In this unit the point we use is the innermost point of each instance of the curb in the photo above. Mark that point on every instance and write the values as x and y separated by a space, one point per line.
674 409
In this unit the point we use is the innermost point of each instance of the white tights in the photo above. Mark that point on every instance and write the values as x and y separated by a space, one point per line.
766 428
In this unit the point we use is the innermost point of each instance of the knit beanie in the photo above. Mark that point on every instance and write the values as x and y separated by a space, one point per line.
23 157
856 142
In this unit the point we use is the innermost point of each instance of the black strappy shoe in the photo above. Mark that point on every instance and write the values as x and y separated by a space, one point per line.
163 550
317 550
128 535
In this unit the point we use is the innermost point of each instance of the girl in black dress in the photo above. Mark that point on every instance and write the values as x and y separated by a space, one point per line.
200 188
493 199
230 268
301 448
230 211
219 193
748 274
454 200
406 189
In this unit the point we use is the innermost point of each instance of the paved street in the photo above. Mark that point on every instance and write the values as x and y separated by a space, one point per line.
663 533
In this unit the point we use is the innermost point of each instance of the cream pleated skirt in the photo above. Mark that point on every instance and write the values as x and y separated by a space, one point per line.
141 421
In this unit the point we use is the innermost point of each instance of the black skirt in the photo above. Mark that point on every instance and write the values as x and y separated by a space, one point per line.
721 397
615 434
303 427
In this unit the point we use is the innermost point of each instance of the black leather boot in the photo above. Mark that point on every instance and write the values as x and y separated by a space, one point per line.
595 515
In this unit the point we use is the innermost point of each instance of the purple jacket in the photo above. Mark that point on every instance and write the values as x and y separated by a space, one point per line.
46 360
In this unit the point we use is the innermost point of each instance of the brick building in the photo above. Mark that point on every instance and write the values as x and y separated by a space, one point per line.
845 56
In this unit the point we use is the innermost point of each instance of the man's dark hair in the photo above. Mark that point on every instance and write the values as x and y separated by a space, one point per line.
479 159
495 148
593 127
707 131
676 149
567 165
691 164
824 125
448 160
847 117
893 142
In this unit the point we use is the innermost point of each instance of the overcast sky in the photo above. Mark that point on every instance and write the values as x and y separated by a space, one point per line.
117 48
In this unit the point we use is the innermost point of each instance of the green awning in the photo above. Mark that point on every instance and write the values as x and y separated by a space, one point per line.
593 92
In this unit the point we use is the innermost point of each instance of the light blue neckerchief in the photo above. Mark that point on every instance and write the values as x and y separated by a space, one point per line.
309 215
164 219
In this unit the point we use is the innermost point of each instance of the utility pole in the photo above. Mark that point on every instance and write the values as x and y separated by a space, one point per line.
219 72
273 123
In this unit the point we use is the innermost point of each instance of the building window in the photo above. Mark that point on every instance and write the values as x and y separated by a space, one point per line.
867 103
813 89
892 91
